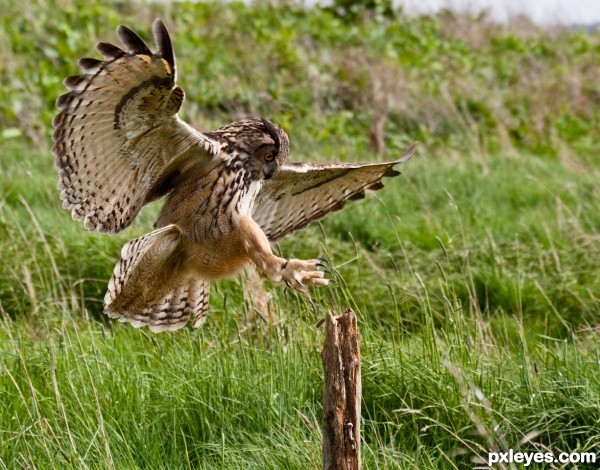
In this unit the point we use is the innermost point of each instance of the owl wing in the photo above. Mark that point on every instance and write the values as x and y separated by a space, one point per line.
118 140
304 192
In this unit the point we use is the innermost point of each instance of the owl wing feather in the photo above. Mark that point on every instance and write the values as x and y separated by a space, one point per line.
173 311
136 294
118 139
304 192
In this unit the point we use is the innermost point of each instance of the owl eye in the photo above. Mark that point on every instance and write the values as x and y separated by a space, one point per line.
269 157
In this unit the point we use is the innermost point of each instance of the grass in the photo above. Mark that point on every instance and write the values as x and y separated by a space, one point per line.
473 274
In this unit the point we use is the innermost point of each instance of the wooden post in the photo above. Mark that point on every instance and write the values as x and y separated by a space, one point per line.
342 394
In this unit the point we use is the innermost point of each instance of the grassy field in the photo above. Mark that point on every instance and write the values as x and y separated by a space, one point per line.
474 274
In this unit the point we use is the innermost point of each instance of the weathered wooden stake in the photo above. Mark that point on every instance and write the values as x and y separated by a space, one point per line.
342 394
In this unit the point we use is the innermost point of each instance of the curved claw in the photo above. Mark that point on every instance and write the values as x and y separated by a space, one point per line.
299 274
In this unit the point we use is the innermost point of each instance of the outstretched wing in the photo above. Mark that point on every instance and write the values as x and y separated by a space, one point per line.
304 192
118 140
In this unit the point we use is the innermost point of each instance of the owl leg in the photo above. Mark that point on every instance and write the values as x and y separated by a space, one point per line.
297 274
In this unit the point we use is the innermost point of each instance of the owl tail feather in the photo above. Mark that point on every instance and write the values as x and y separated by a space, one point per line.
151 285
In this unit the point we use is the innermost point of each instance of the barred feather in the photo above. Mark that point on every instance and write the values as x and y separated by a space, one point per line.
173 311
151 287
117 136
304 192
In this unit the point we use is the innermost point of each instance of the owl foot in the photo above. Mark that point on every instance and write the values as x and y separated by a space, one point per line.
299 274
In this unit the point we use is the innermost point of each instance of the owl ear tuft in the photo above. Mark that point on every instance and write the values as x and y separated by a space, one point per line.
280 138
272 131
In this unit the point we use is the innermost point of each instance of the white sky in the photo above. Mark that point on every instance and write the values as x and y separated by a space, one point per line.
540 11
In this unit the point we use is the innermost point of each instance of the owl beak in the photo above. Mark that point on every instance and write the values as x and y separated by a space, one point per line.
269 171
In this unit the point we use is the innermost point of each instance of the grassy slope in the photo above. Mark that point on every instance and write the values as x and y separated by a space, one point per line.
473 273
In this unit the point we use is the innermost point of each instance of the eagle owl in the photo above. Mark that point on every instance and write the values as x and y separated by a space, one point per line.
119 145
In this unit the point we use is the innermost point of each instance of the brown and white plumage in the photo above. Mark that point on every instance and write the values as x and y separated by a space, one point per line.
314 190
118 137
161 306
119 144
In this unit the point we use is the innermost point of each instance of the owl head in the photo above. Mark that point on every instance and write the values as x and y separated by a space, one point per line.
256 145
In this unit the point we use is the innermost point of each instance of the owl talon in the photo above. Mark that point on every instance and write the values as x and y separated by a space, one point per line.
299 275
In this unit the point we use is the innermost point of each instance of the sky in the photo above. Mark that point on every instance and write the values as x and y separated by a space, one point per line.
547 12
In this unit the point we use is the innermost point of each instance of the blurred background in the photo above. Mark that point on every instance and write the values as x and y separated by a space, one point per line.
474 274
542 12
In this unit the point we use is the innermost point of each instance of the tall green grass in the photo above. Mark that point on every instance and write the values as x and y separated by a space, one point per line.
473 274
477 335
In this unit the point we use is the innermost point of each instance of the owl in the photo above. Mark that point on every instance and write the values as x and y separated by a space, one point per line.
119 144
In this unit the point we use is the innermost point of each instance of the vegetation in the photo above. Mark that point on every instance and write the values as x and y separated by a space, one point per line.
473 274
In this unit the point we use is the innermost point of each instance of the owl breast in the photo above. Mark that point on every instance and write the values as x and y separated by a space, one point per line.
208 207
247 200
